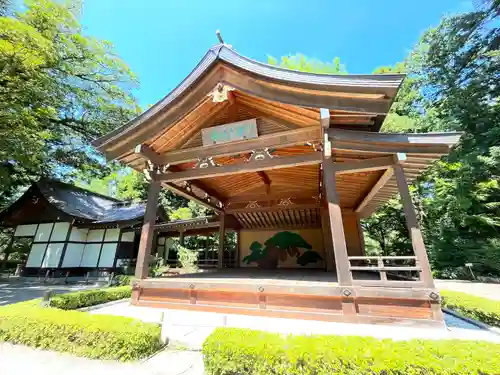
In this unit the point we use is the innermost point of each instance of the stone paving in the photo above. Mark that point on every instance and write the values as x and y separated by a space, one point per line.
491 291
18 290
16 360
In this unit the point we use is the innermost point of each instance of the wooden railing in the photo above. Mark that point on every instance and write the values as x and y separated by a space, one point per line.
385 265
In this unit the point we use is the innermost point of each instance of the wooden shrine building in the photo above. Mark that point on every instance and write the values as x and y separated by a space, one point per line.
293 160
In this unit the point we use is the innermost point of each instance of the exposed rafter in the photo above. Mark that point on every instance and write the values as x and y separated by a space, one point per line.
368 165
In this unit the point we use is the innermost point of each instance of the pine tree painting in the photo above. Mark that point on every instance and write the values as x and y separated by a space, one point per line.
278 248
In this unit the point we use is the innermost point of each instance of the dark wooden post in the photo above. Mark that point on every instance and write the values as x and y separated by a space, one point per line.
336 225
327 237
181 238
222 231
147 232
413 228
237 255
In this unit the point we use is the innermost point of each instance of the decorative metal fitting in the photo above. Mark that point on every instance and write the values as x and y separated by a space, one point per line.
261 289
252 204
261 154
191 286
346 292
434 296
285 202
205 163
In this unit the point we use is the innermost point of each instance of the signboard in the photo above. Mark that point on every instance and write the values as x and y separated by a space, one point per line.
236 131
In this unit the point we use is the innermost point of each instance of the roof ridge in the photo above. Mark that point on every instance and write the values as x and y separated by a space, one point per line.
72 186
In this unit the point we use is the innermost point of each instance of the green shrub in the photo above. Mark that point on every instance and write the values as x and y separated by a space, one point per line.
79 333
86 298
123 280
237 351
478 308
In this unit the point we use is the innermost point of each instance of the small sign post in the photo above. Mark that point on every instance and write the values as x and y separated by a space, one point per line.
469 266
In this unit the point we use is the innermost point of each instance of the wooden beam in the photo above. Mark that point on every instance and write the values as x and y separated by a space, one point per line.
324 118
301 206
186 194
265 179
147 232
413 228
248 167
147 153
368 165
374 190
222 232
282 139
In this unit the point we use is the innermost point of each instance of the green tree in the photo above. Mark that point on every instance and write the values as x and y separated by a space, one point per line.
305 64
58 90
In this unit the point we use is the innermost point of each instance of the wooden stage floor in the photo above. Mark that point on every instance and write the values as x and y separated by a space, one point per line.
302 293
255 276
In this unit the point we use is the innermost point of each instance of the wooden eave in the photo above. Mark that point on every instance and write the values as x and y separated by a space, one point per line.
362 94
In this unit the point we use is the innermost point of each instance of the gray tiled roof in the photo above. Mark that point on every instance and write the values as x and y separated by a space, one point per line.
85 204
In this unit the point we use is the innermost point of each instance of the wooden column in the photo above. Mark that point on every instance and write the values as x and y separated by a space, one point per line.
413 227
222 231
237 255
147 232
327 238
181 238
336 225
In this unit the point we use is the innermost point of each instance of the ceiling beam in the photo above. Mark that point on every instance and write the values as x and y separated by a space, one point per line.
188 195
374 190
247 167
368 165
265 179
281 139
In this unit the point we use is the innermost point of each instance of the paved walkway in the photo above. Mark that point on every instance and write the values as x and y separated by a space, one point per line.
16 360
491 291
18 290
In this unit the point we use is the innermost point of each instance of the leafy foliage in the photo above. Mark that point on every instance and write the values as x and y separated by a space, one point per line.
86 298
239 351
79 333
474 307
305 64
58 90
187 258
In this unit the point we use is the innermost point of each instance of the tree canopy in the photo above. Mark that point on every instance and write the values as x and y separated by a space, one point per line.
58 90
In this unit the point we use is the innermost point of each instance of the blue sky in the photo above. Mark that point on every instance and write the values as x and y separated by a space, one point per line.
162 40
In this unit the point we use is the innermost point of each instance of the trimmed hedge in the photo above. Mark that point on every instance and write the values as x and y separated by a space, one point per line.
231 351
79 333
86 298
478 308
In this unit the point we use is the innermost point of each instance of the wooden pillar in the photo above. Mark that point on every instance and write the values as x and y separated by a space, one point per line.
237 255
147 232
413 228
181 238
327 238
336 224
222 231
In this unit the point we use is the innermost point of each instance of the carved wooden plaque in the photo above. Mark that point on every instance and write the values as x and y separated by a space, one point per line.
235 131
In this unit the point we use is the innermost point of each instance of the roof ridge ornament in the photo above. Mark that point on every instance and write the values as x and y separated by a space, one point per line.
221 41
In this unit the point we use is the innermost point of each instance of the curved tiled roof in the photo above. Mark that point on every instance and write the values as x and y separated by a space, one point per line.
379 83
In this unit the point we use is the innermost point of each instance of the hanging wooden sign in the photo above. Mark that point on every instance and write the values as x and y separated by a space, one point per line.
235 131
